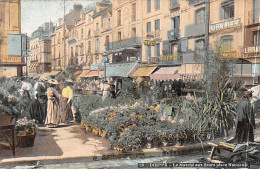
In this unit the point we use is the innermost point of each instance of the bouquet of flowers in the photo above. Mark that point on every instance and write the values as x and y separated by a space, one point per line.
25 127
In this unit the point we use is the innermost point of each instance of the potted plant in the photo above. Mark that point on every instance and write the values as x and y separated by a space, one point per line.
26 132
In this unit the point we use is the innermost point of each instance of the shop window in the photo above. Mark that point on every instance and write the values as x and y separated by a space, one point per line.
200 16
173 48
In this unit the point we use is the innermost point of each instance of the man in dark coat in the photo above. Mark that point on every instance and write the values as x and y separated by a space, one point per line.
245 121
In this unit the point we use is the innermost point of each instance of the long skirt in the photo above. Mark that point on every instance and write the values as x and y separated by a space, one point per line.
66 109
244 132
35 111
53 115
43 103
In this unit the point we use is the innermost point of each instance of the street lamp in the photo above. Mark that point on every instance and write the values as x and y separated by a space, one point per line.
104 55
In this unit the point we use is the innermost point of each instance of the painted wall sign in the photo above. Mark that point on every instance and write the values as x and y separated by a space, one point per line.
225 24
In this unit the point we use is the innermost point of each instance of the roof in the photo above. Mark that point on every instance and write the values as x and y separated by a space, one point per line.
119 70
94 73
166 73
144 70
84 73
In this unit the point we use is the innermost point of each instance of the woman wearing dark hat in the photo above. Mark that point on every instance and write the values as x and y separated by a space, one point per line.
53 108
67 94
245 121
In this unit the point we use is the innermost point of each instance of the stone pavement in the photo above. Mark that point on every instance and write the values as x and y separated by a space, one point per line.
67 141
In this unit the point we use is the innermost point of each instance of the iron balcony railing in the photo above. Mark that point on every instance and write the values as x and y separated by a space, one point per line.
173 34
124 43
254 16
196 2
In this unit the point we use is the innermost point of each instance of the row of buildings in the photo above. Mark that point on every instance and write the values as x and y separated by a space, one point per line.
158 32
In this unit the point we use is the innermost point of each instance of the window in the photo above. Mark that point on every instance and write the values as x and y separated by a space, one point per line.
157 50
81 49
97 44
89 33
228 7
200 16
173 48
107 40
173 2
148 6
148 26
157 24
157 4
76 51
119 36
175 22
71 51
199 44
133 32
97 26
89 46
256 38
148 52
134 12
82 33
119 18
226 43
71 61
59 63
256 11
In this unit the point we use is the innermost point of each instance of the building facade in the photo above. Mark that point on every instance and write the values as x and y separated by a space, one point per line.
10 23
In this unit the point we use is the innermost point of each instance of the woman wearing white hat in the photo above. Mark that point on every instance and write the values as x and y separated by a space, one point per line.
53 108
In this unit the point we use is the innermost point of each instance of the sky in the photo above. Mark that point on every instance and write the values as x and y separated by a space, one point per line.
36 12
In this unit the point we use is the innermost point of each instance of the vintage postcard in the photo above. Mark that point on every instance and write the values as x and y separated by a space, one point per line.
129 84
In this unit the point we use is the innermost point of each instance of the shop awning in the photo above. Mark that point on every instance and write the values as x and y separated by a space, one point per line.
166 73
144 70
119 70
94 73
191 71
77 73
84 73
47 75
55 72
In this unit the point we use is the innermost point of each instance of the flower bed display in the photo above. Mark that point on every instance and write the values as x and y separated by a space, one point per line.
136 126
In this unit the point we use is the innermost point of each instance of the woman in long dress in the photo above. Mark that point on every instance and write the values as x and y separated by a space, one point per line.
53 107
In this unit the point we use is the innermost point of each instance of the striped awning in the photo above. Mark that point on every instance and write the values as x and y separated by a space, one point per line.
144 70
94 73
55 72
84 73
166 73
77 73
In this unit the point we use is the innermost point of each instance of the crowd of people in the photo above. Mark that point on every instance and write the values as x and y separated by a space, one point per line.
47 101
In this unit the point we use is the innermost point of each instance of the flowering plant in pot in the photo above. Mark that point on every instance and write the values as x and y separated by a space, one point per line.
26 132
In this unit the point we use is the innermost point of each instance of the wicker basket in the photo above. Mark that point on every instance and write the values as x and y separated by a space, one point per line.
25 140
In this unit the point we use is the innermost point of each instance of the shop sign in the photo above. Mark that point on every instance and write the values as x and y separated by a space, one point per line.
149 42
253 49
15 59
224 24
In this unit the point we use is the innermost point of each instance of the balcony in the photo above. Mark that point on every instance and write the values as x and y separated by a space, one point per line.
171 59
254 16
173 34
125 43
106 28
195 30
